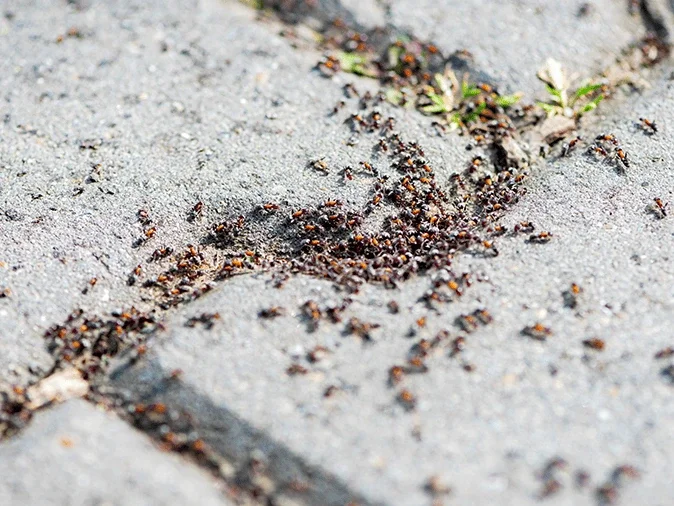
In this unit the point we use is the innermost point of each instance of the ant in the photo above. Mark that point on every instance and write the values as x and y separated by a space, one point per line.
196 211
407 400
206 319
350 90
328 66
439 127
594 343
607 138
338 106
537 331
649 125
659 208
540 238
161 253
271 312
622 157
567 147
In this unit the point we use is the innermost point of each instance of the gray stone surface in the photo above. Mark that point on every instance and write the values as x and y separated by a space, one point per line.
75 454
228 114
158 105
486 433
511 41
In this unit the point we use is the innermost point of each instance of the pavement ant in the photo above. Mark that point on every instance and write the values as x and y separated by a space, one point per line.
540 238
395 375
595 148
664 353
595 344
407 400
197 211
537 331
271 312
357 122
622 157
330 391
439 127
328 66
525 227
436 487
296 369
567 147
317 354
312 312
206 319
350 90
361 329
338 106
158 254
607 138
659 208
648 125
570 296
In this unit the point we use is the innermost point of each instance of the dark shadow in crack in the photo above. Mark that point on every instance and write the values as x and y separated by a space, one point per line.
249 451
312 12
654 21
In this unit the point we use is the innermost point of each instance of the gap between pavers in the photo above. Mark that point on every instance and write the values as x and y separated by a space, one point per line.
76 454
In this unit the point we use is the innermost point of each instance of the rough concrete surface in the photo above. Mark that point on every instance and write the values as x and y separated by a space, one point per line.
109 108
486 430
75 454
230 118
510 41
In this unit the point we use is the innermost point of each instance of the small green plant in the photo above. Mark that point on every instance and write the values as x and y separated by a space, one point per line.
414 74
356 63
563 100
464 102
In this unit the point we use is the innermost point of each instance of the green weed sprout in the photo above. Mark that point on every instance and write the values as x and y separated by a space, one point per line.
563 100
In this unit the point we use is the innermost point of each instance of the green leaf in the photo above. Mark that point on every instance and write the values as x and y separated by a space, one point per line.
394 54
438 106
591 106
550 109
469 90
355 64
506 101
585 90
475 114
555 94
434 109
454 121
